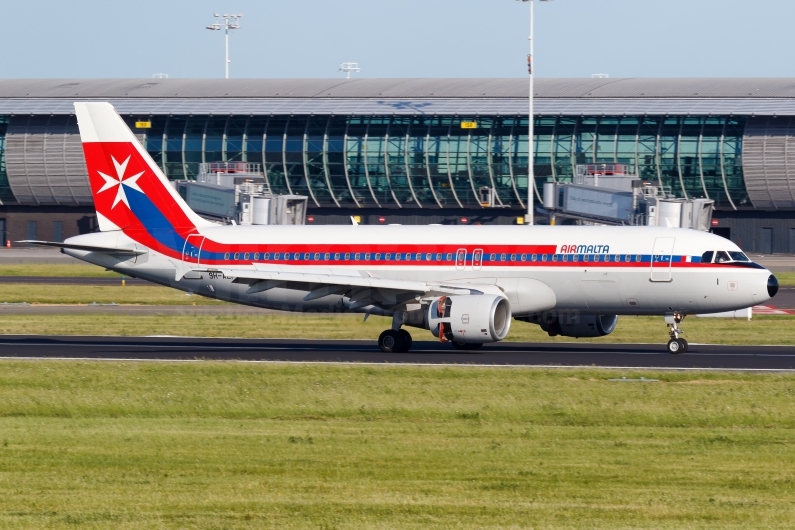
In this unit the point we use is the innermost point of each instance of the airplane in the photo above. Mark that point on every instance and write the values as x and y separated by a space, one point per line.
464 284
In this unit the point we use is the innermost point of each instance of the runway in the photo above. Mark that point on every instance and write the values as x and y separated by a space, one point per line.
431 353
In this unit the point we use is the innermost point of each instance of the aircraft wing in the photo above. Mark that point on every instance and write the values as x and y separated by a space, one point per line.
362 289
88 248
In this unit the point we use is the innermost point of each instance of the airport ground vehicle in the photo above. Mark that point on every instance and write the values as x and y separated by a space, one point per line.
463 283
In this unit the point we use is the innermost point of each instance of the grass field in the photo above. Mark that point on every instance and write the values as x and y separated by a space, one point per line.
241 445
55 269
148 294
761 330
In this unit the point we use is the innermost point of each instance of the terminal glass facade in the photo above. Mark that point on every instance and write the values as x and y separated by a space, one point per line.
432 162
5 190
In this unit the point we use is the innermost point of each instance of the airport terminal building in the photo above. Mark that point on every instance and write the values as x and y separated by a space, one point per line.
416 150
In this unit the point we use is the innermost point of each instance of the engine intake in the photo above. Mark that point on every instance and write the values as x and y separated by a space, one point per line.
469 319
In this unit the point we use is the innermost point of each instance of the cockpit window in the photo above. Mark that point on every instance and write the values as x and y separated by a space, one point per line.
721 256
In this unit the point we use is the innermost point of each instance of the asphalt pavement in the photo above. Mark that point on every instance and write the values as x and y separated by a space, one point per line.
430 353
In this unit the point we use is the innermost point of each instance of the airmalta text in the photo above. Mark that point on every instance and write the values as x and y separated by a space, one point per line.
585 249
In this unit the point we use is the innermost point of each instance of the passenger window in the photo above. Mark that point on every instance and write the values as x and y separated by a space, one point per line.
706 257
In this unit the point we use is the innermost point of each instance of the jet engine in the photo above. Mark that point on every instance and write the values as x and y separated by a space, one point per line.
574 324
468 319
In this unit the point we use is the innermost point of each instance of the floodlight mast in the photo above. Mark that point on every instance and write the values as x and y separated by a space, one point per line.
531 184
230 22
348 68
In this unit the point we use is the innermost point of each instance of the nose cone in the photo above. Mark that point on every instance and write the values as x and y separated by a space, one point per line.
772 286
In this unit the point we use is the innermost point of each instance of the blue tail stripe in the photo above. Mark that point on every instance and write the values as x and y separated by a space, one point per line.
161 228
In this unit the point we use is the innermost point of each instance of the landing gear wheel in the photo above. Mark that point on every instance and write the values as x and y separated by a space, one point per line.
677 346
407 340
390 341
467 346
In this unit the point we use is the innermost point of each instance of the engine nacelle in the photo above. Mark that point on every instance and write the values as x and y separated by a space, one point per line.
575 324
469 318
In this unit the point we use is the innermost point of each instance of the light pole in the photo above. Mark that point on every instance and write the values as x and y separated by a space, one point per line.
348 68
528 218
230 22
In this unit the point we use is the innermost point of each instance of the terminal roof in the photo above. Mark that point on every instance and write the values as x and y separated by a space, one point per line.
498 88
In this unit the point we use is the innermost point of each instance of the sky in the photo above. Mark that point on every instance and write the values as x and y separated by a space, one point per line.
411 38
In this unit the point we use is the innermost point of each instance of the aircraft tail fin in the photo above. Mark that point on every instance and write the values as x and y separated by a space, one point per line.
130 191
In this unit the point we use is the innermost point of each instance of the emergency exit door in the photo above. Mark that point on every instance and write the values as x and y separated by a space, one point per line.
661 259
192 250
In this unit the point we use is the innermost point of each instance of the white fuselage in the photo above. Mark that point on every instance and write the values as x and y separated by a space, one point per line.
593 270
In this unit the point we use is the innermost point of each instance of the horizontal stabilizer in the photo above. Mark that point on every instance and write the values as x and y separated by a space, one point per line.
88 248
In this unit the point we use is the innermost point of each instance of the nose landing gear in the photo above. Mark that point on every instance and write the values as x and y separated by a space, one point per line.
676 345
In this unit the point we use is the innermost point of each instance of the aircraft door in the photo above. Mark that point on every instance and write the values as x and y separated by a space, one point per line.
460 259
477 259
661 258
192 249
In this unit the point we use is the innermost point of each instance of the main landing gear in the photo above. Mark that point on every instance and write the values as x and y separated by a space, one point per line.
395 341
676 345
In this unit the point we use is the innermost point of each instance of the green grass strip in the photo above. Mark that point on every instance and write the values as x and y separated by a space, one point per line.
242 445
761 330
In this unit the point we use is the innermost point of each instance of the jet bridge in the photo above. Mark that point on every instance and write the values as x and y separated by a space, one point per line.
237 192
613 194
